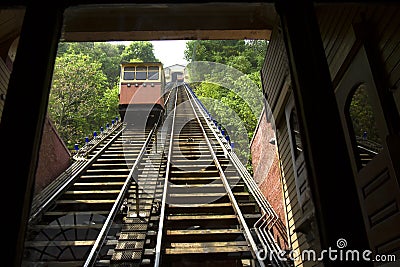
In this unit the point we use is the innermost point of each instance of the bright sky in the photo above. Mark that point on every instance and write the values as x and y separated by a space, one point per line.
170 52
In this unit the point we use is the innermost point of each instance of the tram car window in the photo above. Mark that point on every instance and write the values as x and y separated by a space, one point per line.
153 73
129 73
141 73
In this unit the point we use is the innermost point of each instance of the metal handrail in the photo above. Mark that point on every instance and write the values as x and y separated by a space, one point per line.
266 238
92 144
46 192
91 259
261 200
228 189
370 145
165 189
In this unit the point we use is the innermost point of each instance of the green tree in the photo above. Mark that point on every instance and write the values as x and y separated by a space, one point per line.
362 115
84 93
245 55
109 104
75 48
219 51
255 53
232 97
108 54
76 102
139 50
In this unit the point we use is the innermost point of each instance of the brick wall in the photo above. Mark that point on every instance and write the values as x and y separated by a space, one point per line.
54 157
271 188
267 174
266 165
261 150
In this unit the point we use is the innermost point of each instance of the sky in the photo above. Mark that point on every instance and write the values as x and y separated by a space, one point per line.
170 52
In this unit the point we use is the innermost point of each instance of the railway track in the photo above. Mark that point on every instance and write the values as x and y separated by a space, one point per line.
173 195
207 208
66 225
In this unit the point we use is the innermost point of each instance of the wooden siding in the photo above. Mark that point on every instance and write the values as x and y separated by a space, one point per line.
338 27
275 69
294 214
338 37
276 83
276 86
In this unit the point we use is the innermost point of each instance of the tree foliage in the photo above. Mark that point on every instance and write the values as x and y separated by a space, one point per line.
230 90
245 55
362 115
78 88
84 92
108 54
139 51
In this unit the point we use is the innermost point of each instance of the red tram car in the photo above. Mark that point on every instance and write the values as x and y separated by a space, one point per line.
141 91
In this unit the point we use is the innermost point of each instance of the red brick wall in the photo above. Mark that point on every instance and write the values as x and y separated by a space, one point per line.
54 157
267 173
262 151
271 188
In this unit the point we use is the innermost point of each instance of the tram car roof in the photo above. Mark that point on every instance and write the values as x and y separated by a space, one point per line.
142 63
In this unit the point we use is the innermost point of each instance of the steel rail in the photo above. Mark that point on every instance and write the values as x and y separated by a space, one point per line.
68 182
228 189
262 231
260 198
165 189
169 94
92 257
273 217
266 238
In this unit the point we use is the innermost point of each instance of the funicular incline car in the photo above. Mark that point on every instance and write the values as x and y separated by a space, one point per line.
141 92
